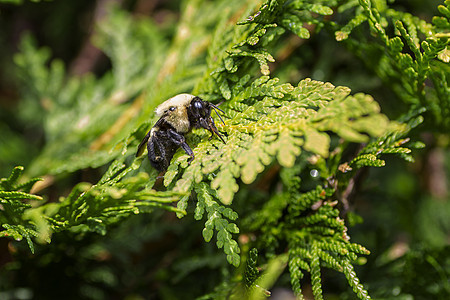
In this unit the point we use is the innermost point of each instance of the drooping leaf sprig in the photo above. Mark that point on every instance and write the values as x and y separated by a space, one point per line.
15 199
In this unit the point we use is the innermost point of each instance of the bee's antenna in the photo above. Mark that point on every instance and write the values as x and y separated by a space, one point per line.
218 109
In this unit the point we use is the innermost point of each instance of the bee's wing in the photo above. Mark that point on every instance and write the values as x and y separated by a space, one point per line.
141 147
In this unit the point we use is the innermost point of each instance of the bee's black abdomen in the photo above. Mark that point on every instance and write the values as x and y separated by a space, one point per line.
154 156
160 150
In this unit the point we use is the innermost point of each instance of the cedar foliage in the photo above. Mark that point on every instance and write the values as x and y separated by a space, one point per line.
282 184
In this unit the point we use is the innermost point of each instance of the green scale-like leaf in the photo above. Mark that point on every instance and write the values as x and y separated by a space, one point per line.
416 53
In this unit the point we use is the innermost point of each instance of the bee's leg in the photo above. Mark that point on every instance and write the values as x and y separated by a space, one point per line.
188 151
179 140
213 130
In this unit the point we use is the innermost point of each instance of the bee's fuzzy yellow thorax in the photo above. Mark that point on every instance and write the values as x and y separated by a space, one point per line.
177 117
177 101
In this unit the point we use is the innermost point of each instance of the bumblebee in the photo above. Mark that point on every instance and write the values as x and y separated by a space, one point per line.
177 117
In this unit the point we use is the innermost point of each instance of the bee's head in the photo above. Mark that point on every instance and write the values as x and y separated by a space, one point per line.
200 115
